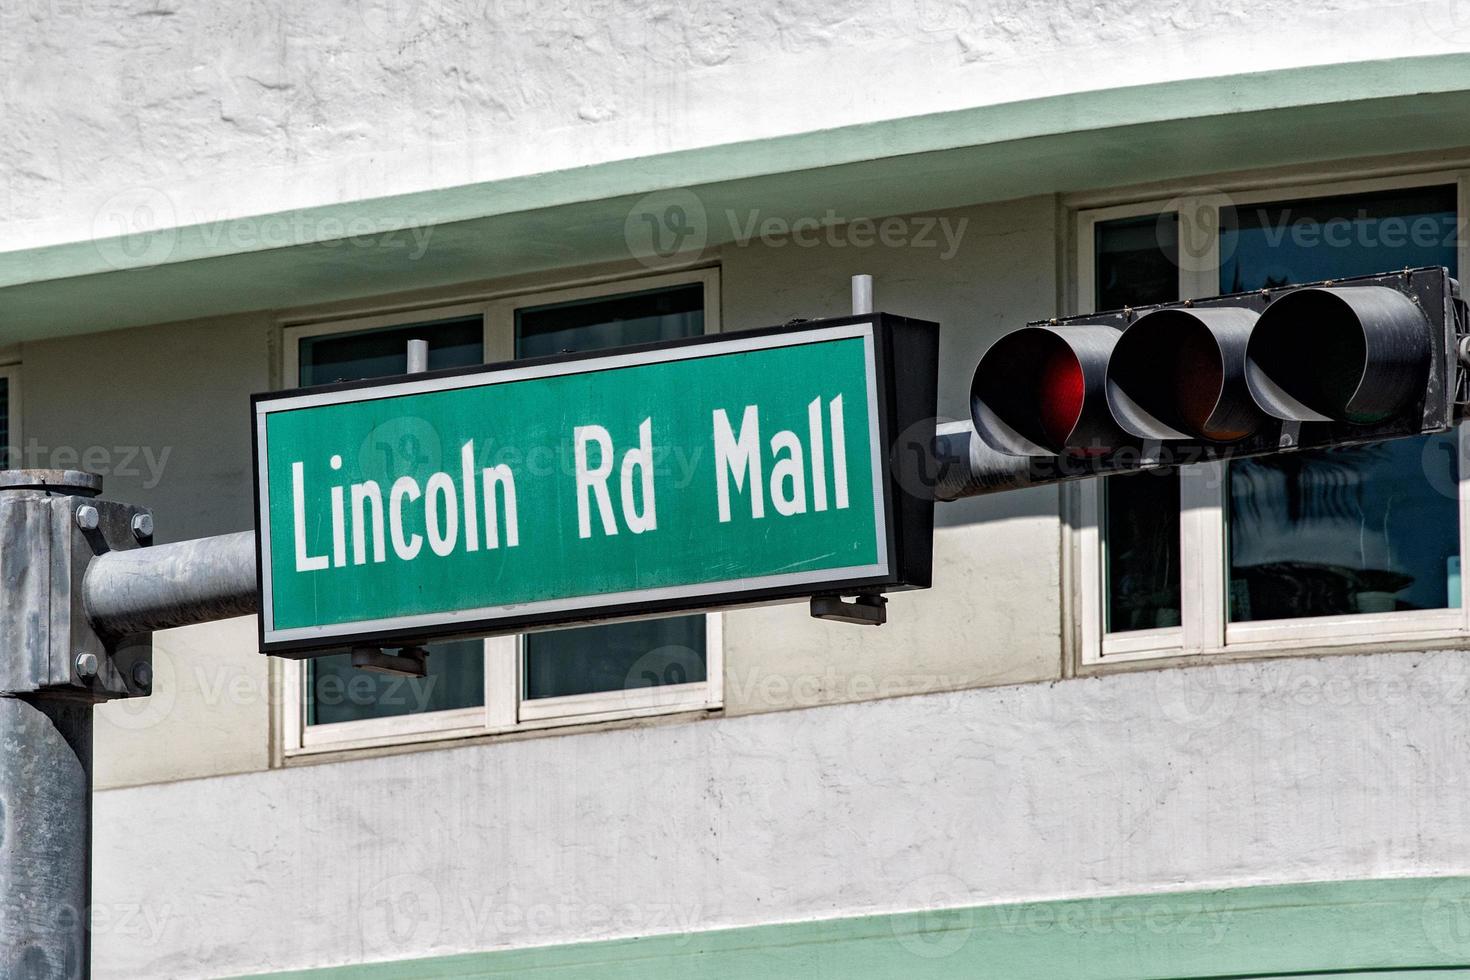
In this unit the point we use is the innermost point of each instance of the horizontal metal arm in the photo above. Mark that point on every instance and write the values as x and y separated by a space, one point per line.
967 467
167 585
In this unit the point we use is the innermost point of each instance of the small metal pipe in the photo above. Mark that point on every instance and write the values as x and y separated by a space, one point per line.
46 843
862 295
168 585
418 356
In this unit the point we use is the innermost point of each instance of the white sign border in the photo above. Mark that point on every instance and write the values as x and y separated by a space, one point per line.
489 614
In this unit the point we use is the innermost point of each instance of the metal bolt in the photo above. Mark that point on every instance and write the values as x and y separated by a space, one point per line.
86 664
142 526
88 518
143 674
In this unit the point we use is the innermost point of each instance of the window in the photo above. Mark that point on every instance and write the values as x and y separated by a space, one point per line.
10 417
1310 549
597 659
500 684
335 690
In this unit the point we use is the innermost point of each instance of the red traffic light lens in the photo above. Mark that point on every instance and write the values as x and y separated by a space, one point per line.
1038 391
1062 390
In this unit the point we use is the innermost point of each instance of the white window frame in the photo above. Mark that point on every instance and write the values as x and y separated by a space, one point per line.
1204 627
11 373
504 710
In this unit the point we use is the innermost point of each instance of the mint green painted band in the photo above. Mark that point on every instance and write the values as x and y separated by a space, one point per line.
920 164
974 127
1386 928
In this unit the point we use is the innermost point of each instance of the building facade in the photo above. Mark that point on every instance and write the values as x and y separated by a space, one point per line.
1206 723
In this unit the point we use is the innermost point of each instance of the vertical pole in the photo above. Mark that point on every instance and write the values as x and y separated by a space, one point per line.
418 356
45 837
862 295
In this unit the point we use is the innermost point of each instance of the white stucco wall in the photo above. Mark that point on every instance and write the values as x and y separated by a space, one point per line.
203 112
1291 770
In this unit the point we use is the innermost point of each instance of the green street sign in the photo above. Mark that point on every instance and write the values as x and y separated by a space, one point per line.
724 470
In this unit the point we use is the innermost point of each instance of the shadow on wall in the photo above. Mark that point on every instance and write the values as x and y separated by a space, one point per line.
1005 506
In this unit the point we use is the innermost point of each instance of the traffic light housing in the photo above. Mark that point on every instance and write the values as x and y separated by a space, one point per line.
1332 363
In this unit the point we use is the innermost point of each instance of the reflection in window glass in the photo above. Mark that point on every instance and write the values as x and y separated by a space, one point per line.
648 653
335 690
1344 531
1141 545
1361 529
1263 245
1137 264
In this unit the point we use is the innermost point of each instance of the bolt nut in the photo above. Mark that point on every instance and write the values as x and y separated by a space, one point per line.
142 526
143 674
86 664
88 518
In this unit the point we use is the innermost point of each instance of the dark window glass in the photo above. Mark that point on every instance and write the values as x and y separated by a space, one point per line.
1137 264
620 655
1141 549
1361 529
1137 261
6 448
378 353
614 321
335 690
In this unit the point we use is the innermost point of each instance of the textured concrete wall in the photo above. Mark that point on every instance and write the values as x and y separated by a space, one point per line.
1292 770
254 107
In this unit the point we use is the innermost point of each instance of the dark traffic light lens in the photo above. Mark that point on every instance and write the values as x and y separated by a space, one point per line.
1179 374
1355 354
1198 378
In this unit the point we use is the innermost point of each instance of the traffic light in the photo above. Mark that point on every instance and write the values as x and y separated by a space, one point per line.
1323 364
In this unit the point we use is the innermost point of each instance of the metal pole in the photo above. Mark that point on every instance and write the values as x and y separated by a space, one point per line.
170 585
418 356
46 820
45 742
862 295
